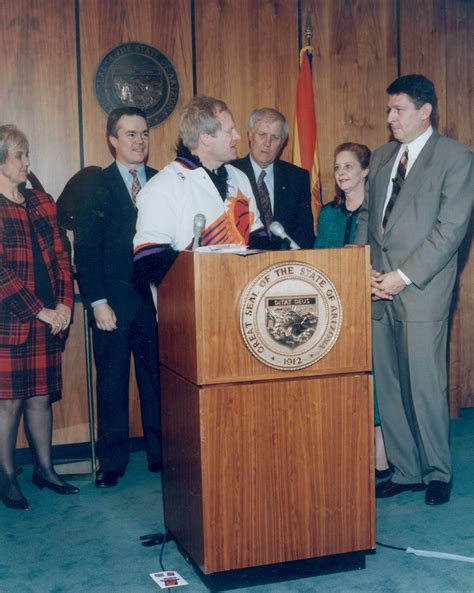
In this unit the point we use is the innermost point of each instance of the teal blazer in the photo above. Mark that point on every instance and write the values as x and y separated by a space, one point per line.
332 224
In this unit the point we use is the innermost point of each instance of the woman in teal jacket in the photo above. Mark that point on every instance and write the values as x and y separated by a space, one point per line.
338 220
337 224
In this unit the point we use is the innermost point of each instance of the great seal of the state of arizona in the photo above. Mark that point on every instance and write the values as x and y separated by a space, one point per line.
290 316
138 75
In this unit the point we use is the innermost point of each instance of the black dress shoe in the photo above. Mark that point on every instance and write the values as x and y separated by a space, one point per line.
438 492
107 479
41 482
382 474
387 489
154 467
20 504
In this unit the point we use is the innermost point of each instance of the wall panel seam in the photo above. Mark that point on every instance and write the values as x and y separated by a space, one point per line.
79 83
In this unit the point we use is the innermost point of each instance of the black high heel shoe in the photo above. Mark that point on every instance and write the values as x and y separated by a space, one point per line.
20 504
10 486
39 481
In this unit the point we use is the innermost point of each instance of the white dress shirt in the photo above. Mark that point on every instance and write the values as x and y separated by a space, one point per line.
414 148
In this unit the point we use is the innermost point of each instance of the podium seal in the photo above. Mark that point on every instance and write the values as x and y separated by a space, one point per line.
138 75
290 316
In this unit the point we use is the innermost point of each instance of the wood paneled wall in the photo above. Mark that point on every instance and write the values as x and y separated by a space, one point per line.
246 52
423 45
38 90
460 125
355 59
104 24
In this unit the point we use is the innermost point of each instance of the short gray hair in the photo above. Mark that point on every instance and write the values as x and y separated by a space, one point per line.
200 117
268 114
10 138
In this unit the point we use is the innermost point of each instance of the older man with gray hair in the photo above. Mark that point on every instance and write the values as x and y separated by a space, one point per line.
282 190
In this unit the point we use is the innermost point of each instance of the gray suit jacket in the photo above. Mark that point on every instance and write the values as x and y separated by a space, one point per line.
426 226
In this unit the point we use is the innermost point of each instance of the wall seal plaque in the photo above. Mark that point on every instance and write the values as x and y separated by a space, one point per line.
290 316
139 75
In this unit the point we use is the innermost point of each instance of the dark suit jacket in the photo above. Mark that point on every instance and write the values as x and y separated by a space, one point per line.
104 227
292 199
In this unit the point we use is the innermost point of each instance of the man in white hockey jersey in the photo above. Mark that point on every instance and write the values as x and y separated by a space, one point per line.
200 181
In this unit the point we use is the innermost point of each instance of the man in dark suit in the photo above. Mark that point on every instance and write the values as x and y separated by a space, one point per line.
415 216
124 318
282 190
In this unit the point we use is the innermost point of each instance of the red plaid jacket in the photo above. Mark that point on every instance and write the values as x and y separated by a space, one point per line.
18 303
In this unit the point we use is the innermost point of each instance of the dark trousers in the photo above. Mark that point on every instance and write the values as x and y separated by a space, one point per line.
112 355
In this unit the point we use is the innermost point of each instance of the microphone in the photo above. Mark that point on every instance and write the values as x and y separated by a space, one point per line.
277 229
198 226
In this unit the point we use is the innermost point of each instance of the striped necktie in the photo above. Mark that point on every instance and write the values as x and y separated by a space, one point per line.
397 186
136 187
265 200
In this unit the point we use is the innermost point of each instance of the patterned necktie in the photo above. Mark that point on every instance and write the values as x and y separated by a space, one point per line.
397 186
136 187
265 200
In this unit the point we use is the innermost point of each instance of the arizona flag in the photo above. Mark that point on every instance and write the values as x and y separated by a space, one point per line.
305 147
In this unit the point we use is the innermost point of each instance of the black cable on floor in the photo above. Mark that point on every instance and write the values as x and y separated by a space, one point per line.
166 538
391 547
155 539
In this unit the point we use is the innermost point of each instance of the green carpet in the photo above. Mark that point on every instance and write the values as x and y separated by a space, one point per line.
90 542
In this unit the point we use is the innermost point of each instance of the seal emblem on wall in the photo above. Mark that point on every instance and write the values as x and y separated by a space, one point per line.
139 75
290 315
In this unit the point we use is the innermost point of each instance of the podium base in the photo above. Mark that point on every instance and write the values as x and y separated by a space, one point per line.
282 572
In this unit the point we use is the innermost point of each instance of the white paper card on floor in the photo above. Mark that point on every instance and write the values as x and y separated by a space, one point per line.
168 579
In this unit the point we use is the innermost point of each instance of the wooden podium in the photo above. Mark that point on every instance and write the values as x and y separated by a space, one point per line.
261 465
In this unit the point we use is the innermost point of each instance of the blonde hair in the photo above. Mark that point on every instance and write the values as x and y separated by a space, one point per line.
200 117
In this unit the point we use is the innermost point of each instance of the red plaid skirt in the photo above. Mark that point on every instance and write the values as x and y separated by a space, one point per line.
33 368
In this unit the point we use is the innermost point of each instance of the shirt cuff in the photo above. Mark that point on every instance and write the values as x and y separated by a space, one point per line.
404 278
98 302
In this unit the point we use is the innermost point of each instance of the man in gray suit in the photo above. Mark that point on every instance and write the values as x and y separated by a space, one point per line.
415 216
